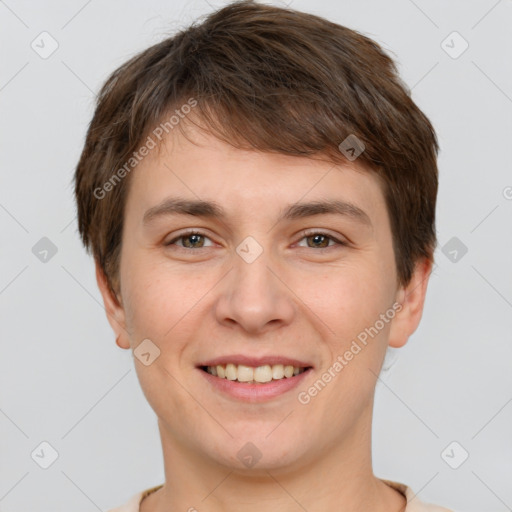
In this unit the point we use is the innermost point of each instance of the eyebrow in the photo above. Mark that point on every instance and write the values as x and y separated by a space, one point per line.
210 209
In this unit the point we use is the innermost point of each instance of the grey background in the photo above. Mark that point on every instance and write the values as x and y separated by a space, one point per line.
63 379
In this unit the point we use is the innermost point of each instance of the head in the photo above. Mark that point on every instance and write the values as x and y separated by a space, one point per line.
226 129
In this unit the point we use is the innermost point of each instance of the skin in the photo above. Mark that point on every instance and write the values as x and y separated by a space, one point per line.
296 299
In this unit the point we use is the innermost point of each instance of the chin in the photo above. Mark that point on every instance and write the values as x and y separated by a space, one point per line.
253 451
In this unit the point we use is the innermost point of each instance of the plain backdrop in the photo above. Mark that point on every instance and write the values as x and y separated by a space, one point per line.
65 383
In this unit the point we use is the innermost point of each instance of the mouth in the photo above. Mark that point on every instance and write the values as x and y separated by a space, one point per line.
262 374
254 379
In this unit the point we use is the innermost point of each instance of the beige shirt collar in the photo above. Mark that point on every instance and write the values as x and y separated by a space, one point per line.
413 502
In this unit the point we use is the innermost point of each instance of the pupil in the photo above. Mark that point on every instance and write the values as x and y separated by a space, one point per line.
317 238
193 239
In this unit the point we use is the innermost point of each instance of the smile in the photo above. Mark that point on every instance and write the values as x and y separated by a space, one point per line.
254 375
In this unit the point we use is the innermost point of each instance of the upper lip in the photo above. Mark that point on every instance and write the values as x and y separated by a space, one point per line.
255 361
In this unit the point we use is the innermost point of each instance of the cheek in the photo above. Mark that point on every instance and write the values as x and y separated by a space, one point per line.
161 301
354 295
146 301
352 301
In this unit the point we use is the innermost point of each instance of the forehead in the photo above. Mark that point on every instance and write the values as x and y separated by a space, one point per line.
200 167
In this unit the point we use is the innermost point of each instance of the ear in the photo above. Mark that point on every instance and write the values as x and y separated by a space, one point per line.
411 298
113 308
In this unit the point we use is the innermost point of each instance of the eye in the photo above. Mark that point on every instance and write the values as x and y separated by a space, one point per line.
191 240
196 240
320 240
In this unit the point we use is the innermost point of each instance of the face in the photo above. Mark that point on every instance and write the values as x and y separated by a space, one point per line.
262 282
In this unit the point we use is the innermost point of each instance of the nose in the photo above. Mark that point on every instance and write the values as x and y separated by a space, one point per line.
254 297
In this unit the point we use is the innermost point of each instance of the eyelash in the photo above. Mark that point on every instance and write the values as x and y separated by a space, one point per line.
305 234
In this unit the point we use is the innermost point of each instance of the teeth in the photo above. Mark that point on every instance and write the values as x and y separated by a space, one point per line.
261 374
231 373
277 371
245 373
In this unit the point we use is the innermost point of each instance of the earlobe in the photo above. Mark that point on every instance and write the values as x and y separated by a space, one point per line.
113 308
412 299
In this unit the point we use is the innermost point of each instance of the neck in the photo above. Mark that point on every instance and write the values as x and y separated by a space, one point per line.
337 477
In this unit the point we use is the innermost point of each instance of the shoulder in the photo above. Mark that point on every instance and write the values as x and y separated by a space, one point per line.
414 504
133 504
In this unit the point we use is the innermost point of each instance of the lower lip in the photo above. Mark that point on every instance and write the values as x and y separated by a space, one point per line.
255 392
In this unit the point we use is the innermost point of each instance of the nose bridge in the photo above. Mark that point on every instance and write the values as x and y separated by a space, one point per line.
253 296
251 272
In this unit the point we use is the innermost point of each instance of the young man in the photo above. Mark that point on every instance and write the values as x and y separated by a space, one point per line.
259 195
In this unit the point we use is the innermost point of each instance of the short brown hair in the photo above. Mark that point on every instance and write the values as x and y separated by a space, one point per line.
270 79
